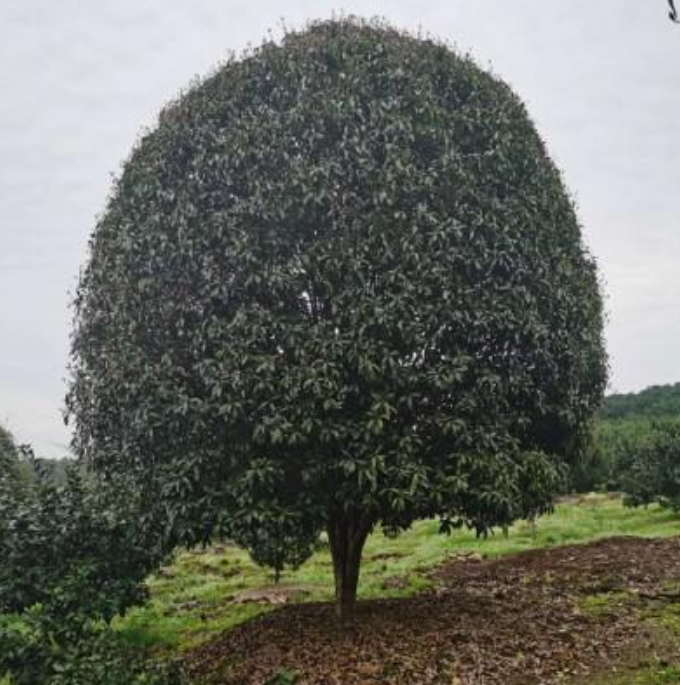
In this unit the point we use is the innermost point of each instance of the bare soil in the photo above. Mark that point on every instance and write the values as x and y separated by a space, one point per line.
519 620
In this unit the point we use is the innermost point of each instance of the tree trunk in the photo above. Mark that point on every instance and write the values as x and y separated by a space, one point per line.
346 537
533 527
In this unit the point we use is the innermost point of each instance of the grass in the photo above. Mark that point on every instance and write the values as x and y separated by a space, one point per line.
655 675
646 664
192 599
604 603
651 671
665 620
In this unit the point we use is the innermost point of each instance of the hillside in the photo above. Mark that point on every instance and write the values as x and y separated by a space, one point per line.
655 401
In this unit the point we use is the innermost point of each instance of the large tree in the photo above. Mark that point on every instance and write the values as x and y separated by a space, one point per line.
339 286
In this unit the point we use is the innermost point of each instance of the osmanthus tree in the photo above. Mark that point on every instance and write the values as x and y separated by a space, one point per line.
340 286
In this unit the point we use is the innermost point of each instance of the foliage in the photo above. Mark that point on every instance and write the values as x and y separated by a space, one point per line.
54 469
71 558
625 423
604 467
14 484
74 547
8 466
41 647
15 474
342 272
651 471
540 480
654 401
277 541
8 450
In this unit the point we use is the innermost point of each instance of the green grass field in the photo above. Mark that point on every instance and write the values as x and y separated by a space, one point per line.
202 592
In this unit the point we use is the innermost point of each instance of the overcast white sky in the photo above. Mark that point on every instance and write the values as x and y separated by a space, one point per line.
79 80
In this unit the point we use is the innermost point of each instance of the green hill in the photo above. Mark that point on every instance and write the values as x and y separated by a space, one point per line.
655 401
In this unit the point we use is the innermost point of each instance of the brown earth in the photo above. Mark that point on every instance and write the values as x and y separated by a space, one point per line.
520 620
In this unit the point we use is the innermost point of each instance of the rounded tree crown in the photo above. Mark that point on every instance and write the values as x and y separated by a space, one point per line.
340 274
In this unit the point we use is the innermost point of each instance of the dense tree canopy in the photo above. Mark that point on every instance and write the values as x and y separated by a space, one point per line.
340 285
650 467
654 401
626 425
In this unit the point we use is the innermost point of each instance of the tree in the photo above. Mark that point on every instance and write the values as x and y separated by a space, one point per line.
9 457
10 478
651 467
343 279
625 423
15 472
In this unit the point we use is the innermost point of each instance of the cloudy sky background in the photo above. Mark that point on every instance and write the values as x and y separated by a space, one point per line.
79 80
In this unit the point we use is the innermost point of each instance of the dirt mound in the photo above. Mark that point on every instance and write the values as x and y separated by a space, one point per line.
513 621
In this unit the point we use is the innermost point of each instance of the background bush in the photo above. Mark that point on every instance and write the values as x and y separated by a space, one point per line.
72 557
651 471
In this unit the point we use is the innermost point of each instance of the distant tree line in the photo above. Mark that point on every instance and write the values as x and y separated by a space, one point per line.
636 448
656 401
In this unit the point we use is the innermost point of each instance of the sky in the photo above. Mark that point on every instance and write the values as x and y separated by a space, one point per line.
80 80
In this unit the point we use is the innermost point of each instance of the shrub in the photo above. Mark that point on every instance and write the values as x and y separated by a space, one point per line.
40 647
74 547
71 558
